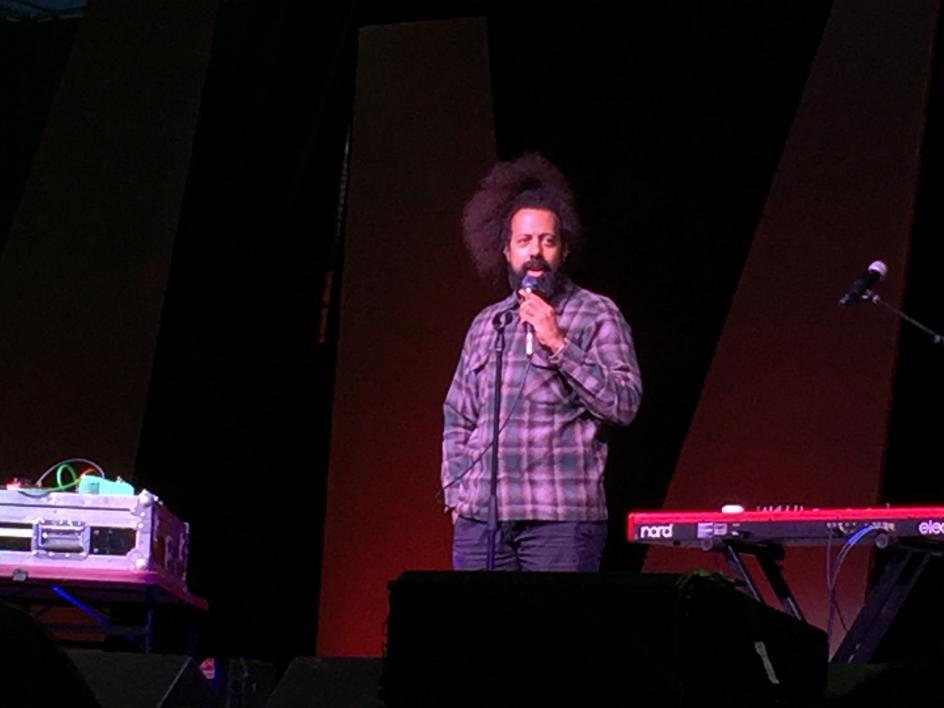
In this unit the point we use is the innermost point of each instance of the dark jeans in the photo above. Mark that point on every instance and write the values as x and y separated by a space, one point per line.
530 545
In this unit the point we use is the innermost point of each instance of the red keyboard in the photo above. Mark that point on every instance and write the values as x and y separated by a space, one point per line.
806 527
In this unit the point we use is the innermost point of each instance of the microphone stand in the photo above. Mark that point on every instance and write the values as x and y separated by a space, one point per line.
500 322
876 300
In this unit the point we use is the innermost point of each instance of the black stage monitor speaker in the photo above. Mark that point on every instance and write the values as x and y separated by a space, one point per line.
918 682
34 670
126 680
328 683
538 639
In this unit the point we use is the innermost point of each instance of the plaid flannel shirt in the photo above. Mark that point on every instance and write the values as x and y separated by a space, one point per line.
552 444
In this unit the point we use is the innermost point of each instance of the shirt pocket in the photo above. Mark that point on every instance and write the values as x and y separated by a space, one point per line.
479 369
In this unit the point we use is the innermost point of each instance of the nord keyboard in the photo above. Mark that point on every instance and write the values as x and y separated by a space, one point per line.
809 527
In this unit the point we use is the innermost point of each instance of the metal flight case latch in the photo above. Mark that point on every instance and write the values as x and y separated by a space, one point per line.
69 538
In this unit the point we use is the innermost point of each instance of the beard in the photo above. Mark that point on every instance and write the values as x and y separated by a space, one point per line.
548 283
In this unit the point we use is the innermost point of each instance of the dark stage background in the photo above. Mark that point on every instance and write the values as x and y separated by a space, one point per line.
670 120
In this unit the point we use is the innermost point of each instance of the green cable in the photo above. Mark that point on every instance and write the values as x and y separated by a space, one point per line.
60 484
67 485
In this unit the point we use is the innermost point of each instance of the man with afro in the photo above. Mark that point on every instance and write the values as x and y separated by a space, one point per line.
569 373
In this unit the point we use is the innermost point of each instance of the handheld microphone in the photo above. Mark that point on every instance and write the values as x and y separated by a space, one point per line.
855 292
529 283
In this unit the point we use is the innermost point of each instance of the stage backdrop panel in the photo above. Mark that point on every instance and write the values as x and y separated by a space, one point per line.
422 138
795 405
83 271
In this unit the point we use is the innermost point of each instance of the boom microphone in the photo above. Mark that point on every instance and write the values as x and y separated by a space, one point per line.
856 291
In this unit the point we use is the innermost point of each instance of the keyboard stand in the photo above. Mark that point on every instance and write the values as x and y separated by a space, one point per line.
882 602
769 557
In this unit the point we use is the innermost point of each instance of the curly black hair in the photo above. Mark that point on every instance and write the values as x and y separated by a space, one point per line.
529 180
